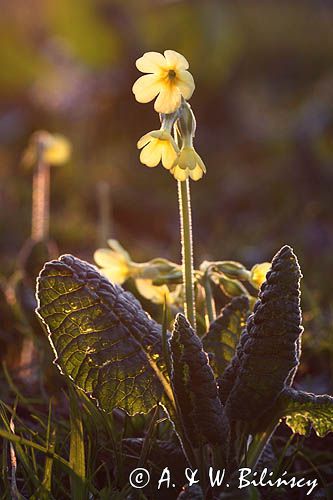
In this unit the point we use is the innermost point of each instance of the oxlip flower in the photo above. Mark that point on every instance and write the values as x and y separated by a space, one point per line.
115 262
54 149
167 77
158 146
188 164
258 274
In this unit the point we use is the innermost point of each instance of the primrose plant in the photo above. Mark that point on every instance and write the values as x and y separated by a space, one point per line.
224 381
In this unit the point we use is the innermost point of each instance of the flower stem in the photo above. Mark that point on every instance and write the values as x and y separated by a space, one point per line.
210 303
187 249
40 199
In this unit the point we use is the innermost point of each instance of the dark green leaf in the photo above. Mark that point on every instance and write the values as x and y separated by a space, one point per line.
267 355
103 339
195 387
223 335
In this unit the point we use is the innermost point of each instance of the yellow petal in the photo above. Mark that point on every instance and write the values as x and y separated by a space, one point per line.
144 140
176 60
179 173
169 155
151 62
146 88
185 83
168 100
151 153
187 158
196 173
107 258
258 273
57 150
117 247
156 294
115 274
201 163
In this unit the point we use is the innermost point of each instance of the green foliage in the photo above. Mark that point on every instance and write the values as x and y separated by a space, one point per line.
114 352
103 339
221 340
304 411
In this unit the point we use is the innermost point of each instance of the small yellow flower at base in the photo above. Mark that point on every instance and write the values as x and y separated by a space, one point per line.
156 294
115 266
258 274
167 78
158 146
188 164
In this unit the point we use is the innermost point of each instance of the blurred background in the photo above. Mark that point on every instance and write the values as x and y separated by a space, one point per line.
264 107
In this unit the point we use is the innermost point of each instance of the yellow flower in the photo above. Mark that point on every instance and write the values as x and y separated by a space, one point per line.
115 262
58 150
167 77
156 294
258 274
158 145
55 149
188 164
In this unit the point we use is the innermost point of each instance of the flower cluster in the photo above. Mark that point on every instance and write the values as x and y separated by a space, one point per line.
152 278
167 79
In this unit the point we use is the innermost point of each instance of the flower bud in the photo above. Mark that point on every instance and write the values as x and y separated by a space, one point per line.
186 123
159 269
232 288
232 269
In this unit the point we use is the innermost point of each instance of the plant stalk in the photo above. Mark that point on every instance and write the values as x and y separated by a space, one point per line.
210 303
187 249
40 222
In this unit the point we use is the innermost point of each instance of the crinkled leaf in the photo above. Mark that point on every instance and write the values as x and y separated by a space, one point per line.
223 335
102 338
268 352
304 410
194 387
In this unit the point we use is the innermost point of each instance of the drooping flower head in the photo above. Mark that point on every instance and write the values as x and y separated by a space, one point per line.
158 146
167 78
188 163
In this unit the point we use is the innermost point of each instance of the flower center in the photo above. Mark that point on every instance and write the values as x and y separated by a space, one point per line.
171 74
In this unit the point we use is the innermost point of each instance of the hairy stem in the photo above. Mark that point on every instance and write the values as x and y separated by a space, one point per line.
40 200
210 303
187 249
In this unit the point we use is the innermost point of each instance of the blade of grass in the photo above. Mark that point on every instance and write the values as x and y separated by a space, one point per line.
45 491
15 495
8 434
